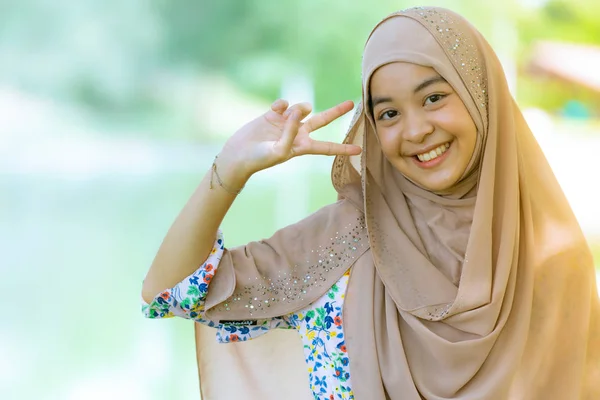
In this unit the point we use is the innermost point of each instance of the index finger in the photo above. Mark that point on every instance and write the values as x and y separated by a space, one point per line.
324 118
332 149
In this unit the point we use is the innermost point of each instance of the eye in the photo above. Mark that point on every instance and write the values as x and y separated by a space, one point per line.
387 115
434 98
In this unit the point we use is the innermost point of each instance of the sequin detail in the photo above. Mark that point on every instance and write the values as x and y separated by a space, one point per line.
460 46
186 300
260 294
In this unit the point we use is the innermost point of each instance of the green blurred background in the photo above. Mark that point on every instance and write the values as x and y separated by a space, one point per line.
111 112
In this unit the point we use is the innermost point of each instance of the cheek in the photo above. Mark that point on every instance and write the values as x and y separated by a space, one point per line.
468 133
458 122
389 141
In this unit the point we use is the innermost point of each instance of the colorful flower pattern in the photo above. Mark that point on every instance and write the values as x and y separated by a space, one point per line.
320 325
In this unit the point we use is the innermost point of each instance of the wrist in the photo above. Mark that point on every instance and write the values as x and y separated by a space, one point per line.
231 172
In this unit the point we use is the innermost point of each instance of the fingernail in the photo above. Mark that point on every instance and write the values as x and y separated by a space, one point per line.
286 113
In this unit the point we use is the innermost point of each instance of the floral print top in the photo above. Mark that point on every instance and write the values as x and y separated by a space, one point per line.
319 325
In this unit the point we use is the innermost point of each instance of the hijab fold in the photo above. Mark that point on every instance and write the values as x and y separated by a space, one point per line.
485 291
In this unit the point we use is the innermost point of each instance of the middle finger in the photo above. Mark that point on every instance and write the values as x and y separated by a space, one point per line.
305 110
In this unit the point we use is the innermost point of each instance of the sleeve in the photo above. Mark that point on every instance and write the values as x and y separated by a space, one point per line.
290 270
187 300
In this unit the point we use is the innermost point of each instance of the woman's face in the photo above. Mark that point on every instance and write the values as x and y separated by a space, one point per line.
424 128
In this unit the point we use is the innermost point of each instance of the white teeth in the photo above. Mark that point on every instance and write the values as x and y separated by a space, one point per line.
433 153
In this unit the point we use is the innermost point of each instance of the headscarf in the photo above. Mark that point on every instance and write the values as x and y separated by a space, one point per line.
451 295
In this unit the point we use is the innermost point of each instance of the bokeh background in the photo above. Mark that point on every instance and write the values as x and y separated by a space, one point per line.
111 111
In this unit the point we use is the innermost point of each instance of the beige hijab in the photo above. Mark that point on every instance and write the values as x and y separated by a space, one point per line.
451 295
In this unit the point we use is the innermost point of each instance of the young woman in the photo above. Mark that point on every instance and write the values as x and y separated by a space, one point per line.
451 267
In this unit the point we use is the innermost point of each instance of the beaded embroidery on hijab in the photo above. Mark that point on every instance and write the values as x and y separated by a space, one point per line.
460 48
261 293
462 51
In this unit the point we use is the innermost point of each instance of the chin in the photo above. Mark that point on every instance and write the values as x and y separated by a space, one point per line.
436 186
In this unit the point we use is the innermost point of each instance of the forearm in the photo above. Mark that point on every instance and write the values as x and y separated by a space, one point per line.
191 237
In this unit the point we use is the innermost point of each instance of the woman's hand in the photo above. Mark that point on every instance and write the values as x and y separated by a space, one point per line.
278 135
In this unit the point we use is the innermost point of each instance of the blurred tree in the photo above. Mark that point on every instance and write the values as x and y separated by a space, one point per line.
99 53
564 21
258 44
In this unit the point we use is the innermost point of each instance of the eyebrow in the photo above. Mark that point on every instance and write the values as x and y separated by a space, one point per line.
427 82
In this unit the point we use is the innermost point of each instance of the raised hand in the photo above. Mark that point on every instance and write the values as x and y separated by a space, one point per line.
273 138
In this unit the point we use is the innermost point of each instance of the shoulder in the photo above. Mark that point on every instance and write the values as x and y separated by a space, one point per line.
339 215
340 226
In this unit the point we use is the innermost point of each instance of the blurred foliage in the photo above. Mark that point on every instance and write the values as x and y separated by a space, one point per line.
260 44
573 21
136 59
562 20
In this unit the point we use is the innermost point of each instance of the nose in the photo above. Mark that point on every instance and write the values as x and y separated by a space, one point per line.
417 126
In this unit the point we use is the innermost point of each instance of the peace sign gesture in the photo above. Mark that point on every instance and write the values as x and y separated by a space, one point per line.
278 135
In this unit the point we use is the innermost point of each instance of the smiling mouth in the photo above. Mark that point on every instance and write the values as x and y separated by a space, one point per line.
433 154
